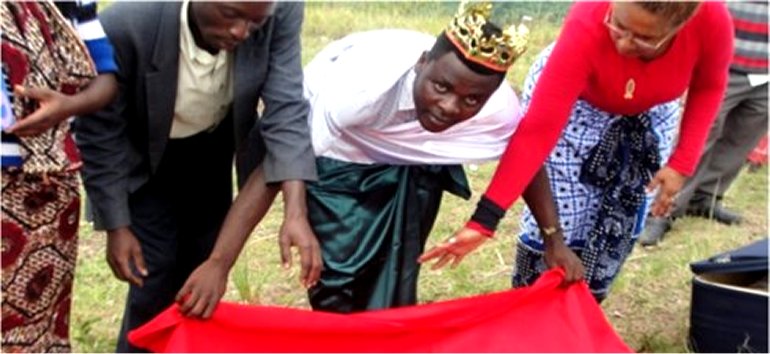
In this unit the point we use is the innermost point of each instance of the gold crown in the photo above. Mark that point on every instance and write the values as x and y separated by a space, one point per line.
494 52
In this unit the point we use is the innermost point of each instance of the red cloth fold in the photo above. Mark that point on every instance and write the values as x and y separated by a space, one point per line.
540 318
758 156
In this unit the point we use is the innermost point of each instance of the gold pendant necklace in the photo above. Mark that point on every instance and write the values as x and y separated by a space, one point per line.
630 87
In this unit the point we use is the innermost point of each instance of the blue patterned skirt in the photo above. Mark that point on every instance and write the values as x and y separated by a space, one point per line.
580 204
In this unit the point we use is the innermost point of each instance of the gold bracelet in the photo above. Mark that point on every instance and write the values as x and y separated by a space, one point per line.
550 230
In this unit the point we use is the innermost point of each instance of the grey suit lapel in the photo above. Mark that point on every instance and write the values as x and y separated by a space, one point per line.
161 81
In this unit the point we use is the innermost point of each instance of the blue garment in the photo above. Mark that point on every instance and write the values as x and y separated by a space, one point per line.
621 165
11 155
579 203
84 17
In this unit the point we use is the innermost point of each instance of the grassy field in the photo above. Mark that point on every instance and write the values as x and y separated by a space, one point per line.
649 304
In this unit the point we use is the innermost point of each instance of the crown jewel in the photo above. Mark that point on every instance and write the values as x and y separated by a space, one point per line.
496 52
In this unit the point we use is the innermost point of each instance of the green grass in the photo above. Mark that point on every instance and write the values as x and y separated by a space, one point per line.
326 22
649 304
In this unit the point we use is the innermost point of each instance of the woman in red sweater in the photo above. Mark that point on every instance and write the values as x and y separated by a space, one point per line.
606 96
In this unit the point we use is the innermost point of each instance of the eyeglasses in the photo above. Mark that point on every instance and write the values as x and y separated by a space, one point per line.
640 43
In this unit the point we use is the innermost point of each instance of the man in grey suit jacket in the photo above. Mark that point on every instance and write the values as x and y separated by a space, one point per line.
158 161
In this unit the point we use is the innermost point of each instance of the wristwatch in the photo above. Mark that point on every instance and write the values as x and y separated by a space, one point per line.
550 230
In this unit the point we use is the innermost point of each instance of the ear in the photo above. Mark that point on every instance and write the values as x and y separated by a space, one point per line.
421 62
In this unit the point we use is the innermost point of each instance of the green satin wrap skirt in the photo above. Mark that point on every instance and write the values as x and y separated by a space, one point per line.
372 222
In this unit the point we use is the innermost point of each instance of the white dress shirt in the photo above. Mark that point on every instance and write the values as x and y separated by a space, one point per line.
362 108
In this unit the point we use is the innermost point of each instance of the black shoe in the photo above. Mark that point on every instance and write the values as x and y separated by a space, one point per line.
655 229
718 213
754 167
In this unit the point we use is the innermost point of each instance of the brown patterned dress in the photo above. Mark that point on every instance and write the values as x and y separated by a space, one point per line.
40 200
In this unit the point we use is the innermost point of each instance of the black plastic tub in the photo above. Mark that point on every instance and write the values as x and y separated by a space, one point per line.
730 302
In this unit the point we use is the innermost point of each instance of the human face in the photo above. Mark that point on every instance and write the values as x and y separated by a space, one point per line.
636 32
222 25
447 92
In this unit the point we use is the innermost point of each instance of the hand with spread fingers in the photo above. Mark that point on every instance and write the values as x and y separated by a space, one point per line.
454 249
54 107
668 182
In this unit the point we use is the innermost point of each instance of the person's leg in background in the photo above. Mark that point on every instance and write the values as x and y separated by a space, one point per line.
758 157
743 130
723 155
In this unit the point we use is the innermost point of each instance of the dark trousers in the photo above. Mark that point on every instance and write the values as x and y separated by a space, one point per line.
176 217
741 123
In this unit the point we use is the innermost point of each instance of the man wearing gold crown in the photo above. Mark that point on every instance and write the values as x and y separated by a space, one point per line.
388 146
394 114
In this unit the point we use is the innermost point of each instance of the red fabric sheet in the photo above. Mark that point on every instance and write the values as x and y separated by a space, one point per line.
758 156
541 318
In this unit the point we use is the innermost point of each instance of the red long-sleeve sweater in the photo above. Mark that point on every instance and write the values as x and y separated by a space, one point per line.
585 65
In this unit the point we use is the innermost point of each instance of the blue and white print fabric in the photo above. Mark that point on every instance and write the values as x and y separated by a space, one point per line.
579 203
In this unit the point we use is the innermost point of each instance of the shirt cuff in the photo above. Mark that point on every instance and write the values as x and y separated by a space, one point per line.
487 216
477 227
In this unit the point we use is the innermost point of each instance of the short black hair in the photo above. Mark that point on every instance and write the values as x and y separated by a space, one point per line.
444 45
